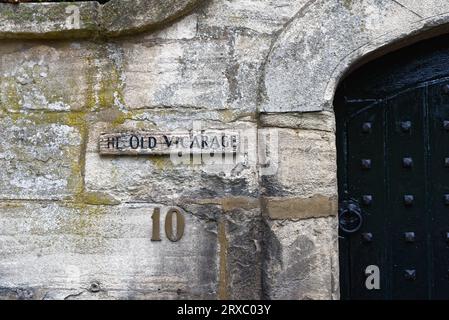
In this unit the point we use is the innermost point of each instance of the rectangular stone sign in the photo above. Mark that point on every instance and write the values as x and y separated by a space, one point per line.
160 143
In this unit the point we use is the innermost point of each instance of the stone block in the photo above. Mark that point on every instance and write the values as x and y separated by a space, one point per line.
306 165
53 250
185 28
176 74
44 77
243 231
164 179
256 15
49 20
198 74
39 159
323 121
300 208
301 259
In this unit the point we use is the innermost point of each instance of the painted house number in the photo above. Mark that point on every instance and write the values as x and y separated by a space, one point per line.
172 214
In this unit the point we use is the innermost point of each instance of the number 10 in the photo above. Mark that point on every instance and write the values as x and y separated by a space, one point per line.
180 223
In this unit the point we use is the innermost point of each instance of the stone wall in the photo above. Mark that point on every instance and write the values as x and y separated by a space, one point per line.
76 225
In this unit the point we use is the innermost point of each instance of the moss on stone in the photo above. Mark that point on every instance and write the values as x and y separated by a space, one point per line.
347 4
12 101
12 205
97 198
227 116
87 215
115 18
76 120
161 162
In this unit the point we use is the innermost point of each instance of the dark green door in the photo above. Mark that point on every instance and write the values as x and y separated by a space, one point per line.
393 171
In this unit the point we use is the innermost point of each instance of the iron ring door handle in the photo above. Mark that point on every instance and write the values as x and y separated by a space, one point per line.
350 217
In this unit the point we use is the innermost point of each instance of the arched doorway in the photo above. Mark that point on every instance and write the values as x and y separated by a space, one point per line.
393 175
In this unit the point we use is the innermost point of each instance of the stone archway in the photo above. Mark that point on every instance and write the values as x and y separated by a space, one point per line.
318 47
326 38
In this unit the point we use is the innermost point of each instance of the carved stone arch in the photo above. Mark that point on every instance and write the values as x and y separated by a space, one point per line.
52 20
311 55
326 39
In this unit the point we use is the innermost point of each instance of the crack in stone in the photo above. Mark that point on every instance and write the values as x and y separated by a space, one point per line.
407 8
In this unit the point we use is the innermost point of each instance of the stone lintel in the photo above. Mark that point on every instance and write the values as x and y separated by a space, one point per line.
316 206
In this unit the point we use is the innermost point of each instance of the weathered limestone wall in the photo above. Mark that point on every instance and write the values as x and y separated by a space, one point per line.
78 225
74 224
